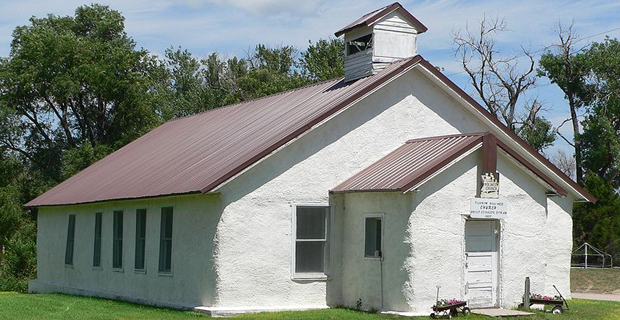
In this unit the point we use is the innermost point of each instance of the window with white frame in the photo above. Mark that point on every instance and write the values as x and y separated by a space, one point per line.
310 231
373 236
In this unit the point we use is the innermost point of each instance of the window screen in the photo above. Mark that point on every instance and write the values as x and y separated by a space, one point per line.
117 245
372 245
140 238
165 243
70 240
310 245
97 248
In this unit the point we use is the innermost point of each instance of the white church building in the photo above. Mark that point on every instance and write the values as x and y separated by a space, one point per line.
374 188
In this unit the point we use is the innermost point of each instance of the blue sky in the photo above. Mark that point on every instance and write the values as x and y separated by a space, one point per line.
234 26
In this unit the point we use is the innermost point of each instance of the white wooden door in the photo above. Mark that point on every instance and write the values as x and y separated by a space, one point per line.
481 263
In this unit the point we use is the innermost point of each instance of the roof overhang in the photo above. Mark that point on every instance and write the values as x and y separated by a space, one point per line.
370 18
418 161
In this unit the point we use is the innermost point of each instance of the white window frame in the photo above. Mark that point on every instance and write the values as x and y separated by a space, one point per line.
380 215
326 263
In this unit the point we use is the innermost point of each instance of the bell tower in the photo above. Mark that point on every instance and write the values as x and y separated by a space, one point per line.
379 38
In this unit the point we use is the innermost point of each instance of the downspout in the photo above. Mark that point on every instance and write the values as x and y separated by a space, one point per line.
381 277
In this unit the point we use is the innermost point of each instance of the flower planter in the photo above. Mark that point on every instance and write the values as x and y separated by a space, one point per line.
451 309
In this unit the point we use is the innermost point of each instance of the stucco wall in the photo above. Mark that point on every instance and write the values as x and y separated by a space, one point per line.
425 230
559 245
253 255
437 234
191 282
235 249
361 277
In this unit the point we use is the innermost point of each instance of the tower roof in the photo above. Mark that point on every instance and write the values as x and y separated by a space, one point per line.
370 18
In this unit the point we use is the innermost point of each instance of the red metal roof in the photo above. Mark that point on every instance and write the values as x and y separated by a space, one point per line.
410 164
369 18
197 153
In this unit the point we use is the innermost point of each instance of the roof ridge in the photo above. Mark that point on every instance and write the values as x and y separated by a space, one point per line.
257 99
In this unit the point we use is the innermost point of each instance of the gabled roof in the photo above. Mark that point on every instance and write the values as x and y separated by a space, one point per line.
197 153
370 18
519 146
413 163
410 164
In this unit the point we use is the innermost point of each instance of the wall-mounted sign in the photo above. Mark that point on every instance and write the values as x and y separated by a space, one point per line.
490 185
488 208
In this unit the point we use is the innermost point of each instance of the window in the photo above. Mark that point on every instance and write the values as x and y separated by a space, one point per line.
70 240
97 249
310 223
359 44
165 240
117 245
140 238
373 245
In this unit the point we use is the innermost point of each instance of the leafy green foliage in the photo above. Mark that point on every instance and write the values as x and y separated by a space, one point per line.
324 60
539 133
599 223
74 89
601 133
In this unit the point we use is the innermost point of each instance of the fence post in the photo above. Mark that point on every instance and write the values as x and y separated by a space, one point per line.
586 255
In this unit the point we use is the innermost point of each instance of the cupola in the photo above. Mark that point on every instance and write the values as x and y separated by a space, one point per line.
377 39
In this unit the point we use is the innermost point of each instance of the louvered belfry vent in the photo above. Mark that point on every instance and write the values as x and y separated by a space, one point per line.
378 39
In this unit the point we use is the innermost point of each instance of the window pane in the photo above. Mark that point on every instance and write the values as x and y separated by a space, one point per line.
309 256
117 246
70 240
97 249
165 240
140 238
311 222
373 237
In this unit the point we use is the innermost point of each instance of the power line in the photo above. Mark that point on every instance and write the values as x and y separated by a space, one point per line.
545 48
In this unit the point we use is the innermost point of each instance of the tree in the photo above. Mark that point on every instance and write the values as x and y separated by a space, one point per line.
324 60
566 67
74 80
564 162
599 223
600 151
71 90
501 80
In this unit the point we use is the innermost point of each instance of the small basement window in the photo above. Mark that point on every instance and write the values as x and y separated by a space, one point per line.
360 44
373 243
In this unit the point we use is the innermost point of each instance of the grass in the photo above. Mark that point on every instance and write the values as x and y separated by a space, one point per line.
55 306
595 280
580 310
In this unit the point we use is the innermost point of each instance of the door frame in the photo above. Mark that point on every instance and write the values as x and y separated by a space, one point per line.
498 251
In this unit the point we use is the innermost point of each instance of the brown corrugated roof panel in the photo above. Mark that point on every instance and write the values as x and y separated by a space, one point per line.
371 17
197 153
410 164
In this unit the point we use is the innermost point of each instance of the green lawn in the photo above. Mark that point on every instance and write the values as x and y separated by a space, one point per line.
55 306
595 280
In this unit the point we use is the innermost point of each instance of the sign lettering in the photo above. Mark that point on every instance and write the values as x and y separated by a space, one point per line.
483 208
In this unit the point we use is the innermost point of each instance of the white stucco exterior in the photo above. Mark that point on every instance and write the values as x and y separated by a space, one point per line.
233 249
191 282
